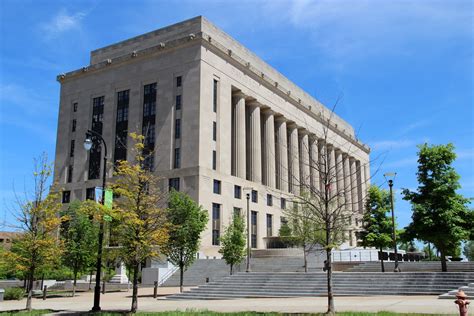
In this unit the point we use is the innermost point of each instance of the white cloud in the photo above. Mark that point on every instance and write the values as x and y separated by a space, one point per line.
62 22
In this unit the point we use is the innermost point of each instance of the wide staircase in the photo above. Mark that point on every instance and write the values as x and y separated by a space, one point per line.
299 284
469 290
421 266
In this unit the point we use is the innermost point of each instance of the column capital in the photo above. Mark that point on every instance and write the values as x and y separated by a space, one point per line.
267 111
280 118
238 94
303 131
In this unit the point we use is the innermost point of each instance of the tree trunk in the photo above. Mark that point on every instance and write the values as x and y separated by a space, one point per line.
381 260
181 276
90 279
30 288
444 266
74 284
135 289
305 259
329 282
231 268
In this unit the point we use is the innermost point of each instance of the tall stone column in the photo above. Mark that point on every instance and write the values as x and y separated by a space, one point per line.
314 163
255 144
339 176
347 182
239 141
293 159
360 187
354 189
332 170
304 160
268 148
281 154
323 159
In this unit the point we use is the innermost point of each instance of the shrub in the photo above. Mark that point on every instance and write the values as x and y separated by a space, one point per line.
14 293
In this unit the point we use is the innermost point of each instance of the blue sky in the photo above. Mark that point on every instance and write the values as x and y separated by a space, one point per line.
403 69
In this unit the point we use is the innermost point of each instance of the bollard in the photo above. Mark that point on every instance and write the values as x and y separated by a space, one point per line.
103 287
207 280
155 289
462 302
45 289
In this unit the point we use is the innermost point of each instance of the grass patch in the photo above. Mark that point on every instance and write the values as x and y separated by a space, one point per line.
26 313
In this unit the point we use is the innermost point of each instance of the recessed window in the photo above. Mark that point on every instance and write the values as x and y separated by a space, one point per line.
90 194
173 183
283 203
177 158
216 223
177 129
74 107
149 100
179 81
69 174
178 102
253 229
269 200
71 151
73 129
121 126
254 196
214 131
66 196
214 160
217 187
237 191
237 212
214 95
269 225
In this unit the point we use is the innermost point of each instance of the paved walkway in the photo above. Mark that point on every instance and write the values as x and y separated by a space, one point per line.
120 301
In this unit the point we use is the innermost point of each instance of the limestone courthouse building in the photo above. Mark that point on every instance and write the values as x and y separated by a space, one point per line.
222 122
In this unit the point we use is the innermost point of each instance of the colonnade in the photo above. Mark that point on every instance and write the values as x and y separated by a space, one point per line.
267 148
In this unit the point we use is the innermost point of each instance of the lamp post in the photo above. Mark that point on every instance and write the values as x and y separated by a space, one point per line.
248 233
91 138
390 176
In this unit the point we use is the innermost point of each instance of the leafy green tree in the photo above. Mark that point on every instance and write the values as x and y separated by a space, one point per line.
80 236
187 221
140 212
440 215
430 252
37 248
233 242
468 250
377 223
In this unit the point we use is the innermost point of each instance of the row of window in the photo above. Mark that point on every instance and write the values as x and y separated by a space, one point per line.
214 123
217 188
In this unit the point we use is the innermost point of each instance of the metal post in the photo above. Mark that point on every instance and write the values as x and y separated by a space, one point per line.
396 269
45 289
248 233
155 289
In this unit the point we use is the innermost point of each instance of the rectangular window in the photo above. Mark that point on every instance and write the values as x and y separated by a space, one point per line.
217 187
179 81
177 129
214 96
71 151
283 203
97 114
253 229
73 129
269 225
95 152
90 194
74 107
149 134
269 200
149 100
173 183
237 191
121 126
214 131
177 158
66 196
216 223
178 102
148 124
254 196
69 174
214 160
237 212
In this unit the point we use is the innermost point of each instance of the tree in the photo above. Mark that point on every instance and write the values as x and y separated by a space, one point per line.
440 215
80 235
187 221
468 250
377 224
233 242
37 247
140 212
302 229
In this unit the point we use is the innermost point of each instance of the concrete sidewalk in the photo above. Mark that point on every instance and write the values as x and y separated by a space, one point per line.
120 301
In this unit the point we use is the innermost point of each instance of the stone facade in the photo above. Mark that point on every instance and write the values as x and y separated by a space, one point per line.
241 123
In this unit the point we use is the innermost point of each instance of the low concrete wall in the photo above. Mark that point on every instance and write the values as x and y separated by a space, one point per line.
343 265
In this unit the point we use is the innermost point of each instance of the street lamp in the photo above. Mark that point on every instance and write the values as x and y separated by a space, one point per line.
248 230
91 138
390 176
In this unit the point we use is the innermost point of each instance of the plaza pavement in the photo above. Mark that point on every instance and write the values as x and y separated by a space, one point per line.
120 301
